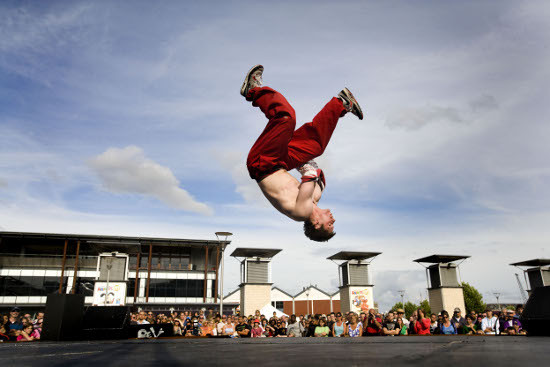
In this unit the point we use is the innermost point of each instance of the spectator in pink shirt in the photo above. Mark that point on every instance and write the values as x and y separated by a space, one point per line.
257 330
26 334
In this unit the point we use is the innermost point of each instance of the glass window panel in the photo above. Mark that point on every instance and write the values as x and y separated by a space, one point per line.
164 261
130 286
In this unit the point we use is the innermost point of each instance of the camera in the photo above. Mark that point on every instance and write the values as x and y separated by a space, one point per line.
195 330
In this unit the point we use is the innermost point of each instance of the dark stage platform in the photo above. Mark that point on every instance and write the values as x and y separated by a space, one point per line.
387 351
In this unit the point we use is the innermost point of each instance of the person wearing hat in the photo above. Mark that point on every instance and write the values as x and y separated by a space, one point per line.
458 321
401 314
14 321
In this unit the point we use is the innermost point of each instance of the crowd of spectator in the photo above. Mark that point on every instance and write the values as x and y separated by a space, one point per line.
27 327
351 324
17 327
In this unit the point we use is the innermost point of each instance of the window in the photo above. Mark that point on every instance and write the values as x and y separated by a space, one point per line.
29 286
176 288
130 287
165 261
278 305
85 286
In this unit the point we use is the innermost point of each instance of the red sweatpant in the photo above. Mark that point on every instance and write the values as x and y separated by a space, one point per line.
279 146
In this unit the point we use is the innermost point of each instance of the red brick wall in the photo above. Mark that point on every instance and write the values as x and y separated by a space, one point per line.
287 307
319 306
301 307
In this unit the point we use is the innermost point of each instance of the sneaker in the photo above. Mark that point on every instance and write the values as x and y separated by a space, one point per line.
350 103
253 79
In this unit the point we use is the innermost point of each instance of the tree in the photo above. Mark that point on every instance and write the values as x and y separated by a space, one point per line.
473 300
425 306
410 308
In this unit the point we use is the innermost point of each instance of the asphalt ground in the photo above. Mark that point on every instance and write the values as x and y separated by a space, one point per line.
372 351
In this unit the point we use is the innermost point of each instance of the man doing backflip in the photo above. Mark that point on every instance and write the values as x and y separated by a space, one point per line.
280 149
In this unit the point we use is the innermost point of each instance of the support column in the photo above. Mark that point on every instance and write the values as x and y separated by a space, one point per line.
137 275
148 272
73 290
217 266
221 285
63 266
205 274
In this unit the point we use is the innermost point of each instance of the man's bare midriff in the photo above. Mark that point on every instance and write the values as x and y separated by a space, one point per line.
281 189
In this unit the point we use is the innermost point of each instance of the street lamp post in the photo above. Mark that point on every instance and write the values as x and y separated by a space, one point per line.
225 235
402 294
307 296
109 261
497 295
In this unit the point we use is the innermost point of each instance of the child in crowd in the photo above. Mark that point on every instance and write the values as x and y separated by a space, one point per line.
26 334
257 331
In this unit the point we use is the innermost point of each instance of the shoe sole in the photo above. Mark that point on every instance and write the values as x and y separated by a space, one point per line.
244 88
355 109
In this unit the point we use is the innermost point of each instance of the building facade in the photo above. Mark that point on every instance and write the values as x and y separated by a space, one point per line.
161 273
311 300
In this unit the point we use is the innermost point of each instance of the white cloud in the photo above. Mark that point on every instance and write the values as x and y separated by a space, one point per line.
415 118
234 162
128 170
483 103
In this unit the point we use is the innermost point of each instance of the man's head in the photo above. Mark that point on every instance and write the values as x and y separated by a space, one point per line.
519 309
456 312
14 313
320 225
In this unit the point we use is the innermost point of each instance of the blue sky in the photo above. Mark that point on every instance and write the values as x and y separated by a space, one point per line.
125 118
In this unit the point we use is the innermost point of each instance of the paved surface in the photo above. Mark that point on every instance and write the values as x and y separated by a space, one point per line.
374 351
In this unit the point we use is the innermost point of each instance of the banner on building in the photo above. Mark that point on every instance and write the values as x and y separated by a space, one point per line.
114 296
361 299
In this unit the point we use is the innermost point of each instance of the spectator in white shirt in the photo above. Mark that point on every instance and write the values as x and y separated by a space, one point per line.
142 318
490 324
220 323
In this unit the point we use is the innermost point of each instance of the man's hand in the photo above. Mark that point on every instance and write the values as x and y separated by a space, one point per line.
310 171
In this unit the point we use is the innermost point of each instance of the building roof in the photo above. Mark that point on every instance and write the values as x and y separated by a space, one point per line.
436 259
113 240
534 262
232 292
353 255
314 287
255 252
280 290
